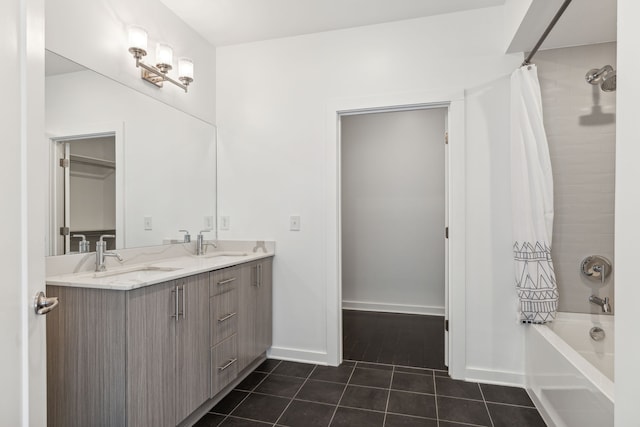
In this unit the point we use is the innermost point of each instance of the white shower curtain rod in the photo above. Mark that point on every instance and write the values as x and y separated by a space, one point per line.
552 24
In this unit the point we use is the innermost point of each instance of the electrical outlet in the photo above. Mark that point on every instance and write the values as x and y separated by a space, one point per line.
148 223
225 223
294 223
208 223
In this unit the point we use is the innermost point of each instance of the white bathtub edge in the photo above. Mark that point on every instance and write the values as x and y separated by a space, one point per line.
604 384
548 419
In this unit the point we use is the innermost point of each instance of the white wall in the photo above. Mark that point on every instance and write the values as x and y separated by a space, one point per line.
169 156
272 102
580 124
393 211
93 33
627 233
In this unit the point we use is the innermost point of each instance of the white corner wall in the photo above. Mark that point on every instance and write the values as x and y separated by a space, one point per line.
627 227
272 99
393 211
93 33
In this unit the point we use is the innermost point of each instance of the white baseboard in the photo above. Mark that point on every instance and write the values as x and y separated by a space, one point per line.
487 376
297 355
393 308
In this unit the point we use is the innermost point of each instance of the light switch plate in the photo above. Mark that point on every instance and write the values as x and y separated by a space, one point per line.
294 223
148 223
208 223
225 223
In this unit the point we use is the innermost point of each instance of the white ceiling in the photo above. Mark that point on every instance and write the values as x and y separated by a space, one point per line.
226 22
584 22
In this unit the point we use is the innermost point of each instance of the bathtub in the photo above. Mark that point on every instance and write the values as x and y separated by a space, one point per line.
570 376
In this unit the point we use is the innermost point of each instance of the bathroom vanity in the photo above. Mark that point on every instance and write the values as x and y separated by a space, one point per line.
152 344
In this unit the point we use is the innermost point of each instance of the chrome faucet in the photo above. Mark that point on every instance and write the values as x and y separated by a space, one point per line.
200 244
83 245
187 236
604 303
101 252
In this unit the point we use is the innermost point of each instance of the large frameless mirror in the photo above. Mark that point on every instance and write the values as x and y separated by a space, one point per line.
122 163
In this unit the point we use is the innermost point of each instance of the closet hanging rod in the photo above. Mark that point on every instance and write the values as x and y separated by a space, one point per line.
92 161
552 24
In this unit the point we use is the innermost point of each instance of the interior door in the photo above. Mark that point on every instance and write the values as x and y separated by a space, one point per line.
23 195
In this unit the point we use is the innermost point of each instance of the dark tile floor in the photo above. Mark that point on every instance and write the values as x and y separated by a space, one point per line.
394 339
361 394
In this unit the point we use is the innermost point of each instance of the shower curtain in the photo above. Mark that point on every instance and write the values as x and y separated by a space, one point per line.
532 201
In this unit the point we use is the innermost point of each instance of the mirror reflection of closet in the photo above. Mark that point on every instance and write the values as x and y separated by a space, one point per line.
85 191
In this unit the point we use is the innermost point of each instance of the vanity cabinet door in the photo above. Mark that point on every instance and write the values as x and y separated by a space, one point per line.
255 322
151 356
192 344
264 306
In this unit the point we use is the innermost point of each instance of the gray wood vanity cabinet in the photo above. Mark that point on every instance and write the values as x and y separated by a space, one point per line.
167 347
153 355
255 323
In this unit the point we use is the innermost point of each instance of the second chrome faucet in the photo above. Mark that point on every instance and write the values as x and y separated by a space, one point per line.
101 252
200 243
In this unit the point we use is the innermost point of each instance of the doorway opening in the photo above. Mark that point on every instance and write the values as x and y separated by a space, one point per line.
394 250
83 192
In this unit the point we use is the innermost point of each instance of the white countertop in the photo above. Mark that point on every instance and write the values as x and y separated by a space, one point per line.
150 273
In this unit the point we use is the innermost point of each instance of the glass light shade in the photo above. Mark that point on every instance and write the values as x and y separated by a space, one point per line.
137 38
185 68
164 54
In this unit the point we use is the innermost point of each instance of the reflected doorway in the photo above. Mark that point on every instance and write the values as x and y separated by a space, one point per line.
84 193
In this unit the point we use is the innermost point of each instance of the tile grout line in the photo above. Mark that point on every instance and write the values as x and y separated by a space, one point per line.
435 393
248 393
485 405
353 369
386 408
294 396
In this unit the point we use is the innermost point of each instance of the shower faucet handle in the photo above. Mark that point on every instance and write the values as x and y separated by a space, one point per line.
596 268
602 269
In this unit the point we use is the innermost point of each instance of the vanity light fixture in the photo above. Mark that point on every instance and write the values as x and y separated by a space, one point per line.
158 74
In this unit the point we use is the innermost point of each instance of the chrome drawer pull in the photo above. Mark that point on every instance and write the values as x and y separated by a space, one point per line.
229 363
224 282
227 317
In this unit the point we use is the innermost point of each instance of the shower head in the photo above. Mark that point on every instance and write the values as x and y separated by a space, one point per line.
606 76
609 82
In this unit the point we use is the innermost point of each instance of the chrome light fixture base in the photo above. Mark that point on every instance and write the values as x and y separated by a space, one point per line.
151 77
137 53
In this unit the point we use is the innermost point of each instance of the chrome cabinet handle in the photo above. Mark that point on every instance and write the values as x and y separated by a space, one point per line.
227 317
259 275
175 296
184 303
43 305
224 282
257 282
229 363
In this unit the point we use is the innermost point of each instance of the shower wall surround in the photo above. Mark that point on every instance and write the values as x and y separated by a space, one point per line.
580 124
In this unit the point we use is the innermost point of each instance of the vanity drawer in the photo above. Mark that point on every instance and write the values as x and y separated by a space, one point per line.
224 364
223 280
223 315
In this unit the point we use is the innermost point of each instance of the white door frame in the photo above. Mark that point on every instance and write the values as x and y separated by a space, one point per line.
85 132
456 213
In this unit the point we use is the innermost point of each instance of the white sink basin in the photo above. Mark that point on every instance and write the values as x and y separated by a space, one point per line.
143 272
222 254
